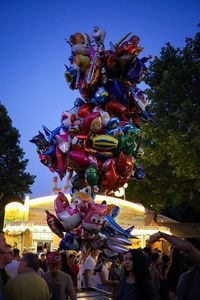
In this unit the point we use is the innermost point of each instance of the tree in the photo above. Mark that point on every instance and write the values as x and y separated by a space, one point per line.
172 147
14 181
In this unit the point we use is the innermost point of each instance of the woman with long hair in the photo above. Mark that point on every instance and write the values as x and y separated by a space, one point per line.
135 284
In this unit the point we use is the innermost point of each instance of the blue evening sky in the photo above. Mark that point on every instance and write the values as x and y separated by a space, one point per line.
33 53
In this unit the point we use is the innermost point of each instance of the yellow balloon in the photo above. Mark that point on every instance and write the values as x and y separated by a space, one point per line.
104 142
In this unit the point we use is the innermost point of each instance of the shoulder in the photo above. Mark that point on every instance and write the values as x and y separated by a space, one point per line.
24 278
30 277
64 275
187 276
184 276
19 277
88 259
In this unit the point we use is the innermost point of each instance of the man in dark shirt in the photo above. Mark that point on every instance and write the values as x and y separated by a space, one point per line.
188 287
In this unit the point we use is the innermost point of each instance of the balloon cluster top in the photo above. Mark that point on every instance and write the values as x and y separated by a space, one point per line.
102 75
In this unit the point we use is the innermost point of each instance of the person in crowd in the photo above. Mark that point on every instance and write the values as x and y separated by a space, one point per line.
27 284
12 267
147 253
116 269
173 272
64 265
135 283
164 265
116 272
155 274
39 270
60 284
80 277
43 262
73 268
88 269
102 273
5 258
188 287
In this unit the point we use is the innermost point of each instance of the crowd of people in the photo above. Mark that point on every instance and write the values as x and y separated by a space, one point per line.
139 275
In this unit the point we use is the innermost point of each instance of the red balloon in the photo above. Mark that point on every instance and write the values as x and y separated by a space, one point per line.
94 217
85 109
77 160
60 162
54 224
116 172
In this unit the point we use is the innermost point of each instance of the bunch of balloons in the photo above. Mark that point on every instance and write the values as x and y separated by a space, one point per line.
98 143
88 224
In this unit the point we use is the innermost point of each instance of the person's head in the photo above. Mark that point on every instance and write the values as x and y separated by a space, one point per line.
120 259
5 254
28 263
54 261
84 255
135 263
16 254
71 259
147 250
94 253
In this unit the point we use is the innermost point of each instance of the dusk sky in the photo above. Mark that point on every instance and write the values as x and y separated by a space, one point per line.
33 53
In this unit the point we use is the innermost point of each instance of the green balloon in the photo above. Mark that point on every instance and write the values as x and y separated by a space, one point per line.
91 175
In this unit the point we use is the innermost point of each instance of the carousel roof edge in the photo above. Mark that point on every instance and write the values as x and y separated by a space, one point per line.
109 199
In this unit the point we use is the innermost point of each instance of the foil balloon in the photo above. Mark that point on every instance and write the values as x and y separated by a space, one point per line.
116 172
94 218
54 224
69 242
91 175
67 213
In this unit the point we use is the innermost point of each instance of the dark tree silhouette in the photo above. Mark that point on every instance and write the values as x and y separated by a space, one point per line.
14 181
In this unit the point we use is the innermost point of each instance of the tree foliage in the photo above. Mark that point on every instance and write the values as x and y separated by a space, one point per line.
14 181
172 147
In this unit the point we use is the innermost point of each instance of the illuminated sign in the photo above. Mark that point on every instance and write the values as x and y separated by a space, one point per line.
15 212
